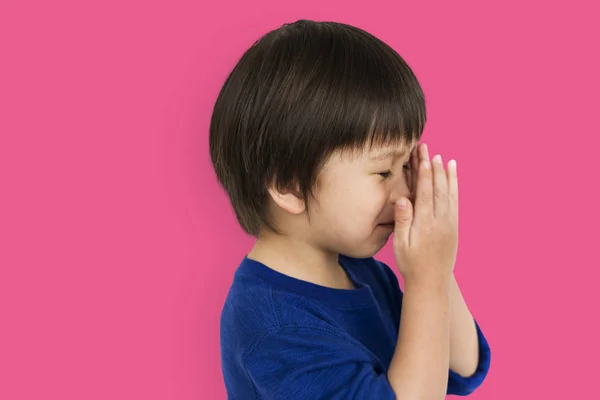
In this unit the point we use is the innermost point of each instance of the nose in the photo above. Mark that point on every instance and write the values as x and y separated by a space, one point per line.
399 188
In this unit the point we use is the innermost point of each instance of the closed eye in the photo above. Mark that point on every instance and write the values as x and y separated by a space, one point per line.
388 174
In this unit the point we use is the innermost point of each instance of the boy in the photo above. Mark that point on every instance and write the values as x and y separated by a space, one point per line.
314 137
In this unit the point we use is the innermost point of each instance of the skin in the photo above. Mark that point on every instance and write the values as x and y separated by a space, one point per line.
354 214
464 345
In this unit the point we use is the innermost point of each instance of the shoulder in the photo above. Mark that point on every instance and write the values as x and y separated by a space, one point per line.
247 312
259 305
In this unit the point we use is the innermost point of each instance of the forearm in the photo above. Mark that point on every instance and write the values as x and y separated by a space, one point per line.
464 345
419 367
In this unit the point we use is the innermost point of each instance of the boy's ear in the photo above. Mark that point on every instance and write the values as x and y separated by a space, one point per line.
288 199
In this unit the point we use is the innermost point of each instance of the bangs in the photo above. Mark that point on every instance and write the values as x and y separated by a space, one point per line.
382 101
364 93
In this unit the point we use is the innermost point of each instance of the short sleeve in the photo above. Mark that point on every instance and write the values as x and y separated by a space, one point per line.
463 386
312 363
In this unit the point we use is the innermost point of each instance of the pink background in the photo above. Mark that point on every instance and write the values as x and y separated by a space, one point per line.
117 247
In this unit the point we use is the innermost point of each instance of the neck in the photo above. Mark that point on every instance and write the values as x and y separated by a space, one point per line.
301 260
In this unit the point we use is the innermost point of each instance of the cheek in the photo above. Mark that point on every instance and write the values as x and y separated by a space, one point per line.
365 203
354 203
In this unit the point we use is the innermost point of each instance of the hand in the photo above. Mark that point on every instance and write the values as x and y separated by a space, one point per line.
426 239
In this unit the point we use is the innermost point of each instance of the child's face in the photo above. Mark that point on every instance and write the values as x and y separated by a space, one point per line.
354 213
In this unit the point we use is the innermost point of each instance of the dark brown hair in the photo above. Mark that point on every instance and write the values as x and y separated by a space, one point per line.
298 94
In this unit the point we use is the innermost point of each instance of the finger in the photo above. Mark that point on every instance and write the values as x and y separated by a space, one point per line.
403 222
453 190
440 187
414 168
410 176
415 156
423 153
424 194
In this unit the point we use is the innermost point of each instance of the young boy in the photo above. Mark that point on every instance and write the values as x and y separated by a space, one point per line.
314 137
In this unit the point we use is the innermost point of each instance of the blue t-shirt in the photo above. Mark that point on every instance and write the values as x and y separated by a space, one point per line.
284 339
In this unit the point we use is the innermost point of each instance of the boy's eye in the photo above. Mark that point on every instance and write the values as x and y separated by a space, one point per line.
406 166
385 174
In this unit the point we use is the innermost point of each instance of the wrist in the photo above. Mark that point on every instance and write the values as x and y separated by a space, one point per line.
438 283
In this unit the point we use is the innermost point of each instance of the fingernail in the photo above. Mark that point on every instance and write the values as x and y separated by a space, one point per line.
437 158
452 163
426 164
402 204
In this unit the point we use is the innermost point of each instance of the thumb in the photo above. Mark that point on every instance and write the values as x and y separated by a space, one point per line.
403 218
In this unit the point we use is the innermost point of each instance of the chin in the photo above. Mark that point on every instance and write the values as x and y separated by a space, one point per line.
364 251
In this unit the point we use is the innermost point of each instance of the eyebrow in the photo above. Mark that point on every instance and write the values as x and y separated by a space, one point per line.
379 156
